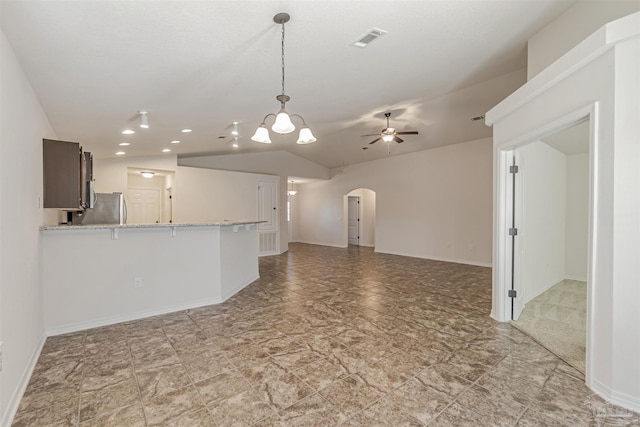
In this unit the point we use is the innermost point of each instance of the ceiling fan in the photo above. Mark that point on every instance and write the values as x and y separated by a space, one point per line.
389 134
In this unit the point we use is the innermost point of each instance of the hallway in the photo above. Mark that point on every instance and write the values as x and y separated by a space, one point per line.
326 336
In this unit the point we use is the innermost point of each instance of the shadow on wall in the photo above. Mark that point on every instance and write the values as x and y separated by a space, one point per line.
360 211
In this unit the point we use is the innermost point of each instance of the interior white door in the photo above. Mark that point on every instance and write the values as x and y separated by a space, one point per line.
143 206
353 217
268 212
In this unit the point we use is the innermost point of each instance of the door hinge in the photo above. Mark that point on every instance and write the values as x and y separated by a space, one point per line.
513 231
512 293
513 169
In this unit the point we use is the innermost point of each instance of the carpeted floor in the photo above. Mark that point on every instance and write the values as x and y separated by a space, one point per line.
557 319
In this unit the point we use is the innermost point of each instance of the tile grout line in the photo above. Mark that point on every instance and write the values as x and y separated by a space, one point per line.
135 376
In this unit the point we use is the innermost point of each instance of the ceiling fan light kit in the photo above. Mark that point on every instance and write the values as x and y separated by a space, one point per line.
390 134
283 124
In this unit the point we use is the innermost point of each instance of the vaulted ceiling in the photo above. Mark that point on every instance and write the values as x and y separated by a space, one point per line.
204 64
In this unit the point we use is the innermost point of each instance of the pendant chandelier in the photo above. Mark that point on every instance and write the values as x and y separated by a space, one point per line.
291 191
283 124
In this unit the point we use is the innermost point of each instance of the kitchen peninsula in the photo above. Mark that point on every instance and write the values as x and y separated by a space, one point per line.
95 275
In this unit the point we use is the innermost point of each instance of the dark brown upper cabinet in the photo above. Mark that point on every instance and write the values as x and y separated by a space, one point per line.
67 175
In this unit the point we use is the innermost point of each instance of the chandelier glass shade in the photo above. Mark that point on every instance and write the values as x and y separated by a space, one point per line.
283 124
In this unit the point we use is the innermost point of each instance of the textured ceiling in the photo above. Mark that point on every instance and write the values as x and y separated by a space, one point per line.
204 64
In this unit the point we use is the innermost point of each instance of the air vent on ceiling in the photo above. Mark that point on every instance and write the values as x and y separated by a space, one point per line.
477 118
370 36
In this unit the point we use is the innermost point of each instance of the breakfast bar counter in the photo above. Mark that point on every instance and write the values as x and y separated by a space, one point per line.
95 275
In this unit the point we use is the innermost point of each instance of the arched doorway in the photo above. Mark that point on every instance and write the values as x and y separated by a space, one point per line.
359 228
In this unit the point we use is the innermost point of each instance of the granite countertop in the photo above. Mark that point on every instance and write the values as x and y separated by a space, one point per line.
121 226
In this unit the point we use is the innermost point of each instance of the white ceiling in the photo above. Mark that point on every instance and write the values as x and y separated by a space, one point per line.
204 64
571 140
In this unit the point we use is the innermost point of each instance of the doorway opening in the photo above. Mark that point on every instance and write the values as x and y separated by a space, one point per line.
149 197
360 213
550 237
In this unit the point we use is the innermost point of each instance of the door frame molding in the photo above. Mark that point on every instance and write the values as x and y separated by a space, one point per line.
357 222
503 156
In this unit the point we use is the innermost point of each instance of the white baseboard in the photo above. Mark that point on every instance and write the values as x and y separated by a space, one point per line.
237 289
617 398
320 244
59 330
16 397
576 278
455 260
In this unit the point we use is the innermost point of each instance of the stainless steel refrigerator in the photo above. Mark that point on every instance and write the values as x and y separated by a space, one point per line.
109 208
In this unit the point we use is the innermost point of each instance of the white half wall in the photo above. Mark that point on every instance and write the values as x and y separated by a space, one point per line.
430 204
24 124
577 222
541 208
570 28
177 268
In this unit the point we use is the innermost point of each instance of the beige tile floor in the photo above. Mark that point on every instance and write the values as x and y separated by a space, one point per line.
557 319
326 336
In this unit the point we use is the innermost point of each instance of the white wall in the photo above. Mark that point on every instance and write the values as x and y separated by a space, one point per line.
269 162
367 215
542 217
429 204
112 175
571 27
600 78
23 125
577 222
206 195
199 194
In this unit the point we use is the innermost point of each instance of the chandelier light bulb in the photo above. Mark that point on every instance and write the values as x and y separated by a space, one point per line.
283 123
306 137
387 138
262 135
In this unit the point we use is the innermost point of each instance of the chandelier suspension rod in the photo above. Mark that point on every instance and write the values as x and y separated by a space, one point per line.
282 44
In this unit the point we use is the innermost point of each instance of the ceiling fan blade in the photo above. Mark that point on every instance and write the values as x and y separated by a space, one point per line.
375 140
398 140
371 134
409 132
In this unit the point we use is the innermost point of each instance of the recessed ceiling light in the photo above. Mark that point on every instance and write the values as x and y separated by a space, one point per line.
128 132
186 130
166 150
124 144
120 153
175 142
